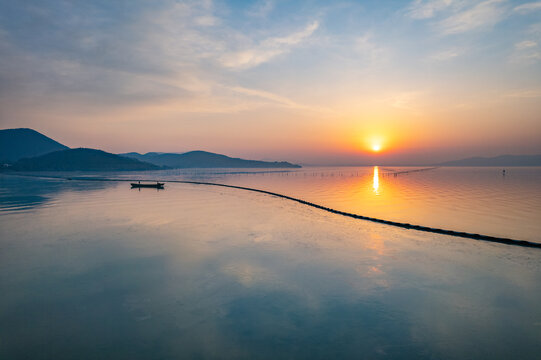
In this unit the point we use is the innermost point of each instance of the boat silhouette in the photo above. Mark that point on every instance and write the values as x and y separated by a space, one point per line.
157 185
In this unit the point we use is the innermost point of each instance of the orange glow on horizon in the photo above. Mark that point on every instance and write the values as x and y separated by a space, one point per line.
375 143
374 137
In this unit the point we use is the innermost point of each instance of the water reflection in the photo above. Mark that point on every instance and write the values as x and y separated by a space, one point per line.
194 272
375 181
22 193
450 198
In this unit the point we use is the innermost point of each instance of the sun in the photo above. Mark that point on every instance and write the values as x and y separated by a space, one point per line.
375 143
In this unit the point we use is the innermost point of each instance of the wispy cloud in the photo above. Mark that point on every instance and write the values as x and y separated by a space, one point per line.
266 49
482 15
420 9
458 16
207 20
406 100
264 95
526 52
528 7
445 55
261 9
274 98
526 44
534 29
170 52
370 50
525 94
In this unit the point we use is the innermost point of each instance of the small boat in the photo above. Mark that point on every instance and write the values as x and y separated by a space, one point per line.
157 185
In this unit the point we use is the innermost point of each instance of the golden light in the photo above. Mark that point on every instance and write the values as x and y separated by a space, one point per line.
375 143
375 183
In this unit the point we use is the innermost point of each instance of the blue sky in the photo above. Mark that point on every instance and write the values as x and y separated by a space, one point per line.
307 81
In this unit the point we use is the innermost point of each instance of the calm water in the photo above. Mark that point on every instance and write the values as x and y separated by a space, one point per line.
477 200
92 270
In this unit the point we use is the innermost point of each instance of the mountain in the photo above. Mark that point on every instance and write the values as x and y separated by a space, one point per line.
16 144
503 160
81 160
204 159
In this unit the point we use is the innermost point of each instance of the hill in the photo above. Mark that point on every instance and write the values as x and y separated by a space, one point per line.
81 160
204 159
16 144
502 160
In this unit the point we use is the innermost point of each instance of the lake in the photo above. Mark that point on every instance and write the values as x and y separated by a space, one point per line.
92 269
475 200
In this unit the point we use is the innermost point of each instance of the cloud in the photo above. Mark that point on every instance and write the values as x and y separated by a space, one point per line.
534 29
369 50
170 52
264 95
526 52
525 94
445 55
528 7
526 44
275 99
261 9
482 15
207 20
266 49
420 9
458 16
407 100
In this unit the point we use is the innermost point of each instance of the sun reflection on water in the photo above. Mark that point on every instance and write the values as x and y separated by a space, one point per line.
375 185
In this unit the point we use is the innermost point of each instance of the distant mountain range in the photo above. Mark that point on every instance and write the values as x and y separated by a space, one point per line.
81 160
204 159
29 150
16 144
503 160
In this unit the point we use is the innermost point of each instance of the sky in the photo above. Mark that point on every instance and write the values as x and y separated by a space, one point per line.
312 82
